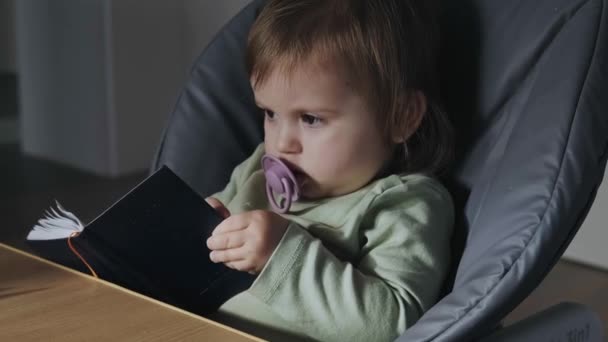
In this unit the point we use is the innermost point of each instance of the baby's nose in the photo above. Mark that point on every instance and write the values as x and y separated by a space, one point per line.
288 141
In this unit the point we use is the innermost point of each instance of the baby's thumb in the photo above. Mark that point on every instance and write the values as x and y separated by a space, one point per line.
218 206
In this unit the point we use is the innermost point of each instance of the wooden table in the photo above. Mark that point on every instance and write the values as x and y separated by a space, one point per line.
43 301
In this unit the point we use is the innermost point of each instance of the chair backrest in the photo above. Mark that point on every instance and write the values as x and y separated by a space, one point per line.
523 82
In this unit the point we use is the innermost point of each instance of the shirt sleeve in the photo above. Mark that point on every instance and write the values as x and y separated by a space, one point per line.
399 275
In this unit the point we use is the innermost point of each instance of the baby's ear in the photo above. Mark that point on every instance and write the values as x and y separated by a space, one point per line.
415 111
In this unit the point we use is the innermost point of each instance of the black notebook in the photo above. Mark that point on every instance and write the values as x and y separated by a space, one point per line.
152 241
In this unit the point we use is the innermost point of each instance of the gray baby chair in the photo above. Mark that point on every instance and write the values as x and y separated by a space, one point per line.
525 84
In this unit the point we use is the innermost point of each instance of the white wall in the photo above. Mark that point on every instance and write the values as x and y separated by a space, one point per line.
99 77
63 68
590 244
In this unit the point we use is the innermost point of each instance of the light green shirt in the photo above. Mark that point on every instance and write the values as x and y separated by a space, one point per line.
358 267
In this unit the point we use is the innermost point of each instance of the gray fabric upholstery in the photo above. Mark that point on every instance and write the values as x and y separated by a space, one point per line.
562 322
525 83
531 157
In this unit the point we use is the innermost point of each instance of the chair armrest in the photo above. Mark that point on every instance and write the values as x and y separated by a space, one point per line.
561 322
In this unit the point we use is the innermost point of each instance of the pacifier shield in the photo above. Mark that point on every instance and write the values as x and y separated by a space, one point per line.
281 182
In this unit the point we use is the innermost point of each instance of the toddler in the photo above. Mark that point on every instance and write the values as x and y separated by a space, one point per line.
348 92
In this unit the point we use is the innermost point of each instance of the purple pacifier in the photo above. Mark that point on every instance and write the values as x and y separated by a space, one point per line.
280 181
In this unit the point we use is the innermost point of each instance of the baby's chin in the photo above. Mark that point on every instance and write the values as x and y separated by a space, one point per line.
311 191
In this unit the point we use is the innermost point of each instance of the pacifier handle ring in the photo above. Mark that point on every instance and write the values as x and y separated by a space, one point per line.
287 198
273 201
285 202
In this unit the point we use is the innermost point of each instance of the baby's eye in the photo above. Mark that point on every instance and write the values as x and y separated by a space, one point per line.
269 114
311 120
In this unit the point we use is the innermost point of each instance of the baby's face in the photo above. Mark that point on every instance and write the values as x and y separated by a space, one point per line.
319 125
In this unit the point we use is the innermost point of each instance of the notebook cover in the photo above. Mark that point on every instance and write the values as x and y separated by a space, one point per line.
153 241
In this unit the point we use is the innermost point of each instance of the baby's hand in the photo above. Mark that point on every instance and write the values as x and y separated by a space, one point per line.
246 241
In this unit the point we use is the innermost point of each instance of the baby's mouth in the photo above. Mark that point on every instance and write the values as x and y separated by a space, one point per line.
297 173
300 177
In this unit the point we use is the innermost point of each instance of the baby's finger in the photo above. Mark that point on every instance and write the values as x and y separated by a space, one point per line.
241 265
225 241
218 206
227 255
231 224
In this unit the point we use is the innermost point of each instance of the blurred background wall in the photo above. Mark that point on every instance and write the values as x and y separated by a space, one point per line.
8 79
97 78
7 36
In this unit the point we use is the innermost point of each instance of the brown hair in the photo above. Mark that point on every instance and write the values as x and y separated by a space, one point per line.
387 48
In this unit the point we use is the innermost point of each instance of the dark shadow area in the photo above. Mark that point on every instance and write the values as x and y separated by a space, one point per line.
28 186
9 104
459 77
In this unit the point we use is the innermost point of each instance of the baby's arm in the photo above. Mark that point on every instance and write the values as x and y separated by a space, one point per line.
403 263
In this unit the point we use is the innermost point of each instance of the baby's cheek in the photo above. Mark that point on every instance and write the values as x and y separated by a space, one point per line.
332 170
